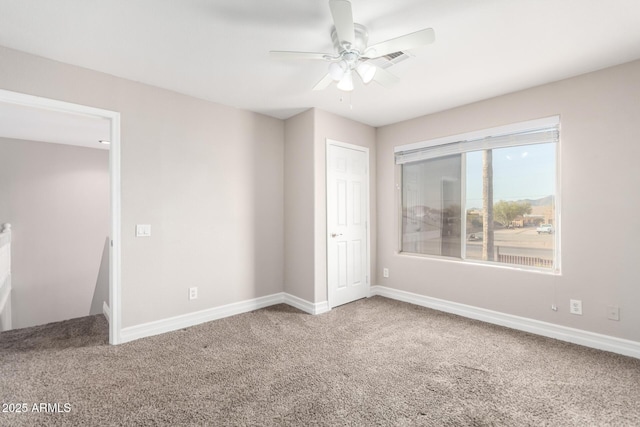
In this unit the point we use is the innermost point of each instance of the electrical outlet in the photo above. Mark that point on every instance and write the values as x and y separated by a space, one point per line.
613 312
385 272
193 293
554 307
575 306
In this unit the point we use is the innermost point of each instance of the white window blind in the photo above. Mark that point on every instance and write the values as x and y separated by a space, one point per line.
533 132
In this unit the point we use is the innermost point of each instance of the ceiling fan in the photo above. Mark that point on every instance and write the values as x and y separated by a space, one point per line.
352 53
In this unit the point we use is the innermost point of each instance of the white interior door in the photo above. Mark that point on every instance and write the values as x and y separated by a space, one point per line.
347 222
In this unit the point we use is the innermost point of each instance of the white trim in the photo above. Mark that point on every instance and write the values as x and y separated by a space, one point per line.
368 275
5 282
25 100
562 333
479 134
5 302
191 319
5 234
5 291
330 141
114 172
157 327
115 254
306 306
557 253
106 311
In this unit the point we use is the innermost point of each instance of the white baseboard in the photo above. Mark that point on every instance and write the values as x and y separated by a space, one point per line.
132 333
562 333
306 306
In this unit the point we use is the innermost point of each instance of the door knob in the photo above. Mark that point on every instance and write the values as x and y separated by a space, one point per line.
336 234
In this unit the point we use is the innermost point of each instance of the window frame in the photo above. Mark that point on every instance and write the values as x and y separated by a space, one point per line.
433 144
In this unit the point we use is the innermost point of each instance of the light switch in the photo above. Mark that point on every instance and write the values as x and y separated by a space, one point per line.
143 230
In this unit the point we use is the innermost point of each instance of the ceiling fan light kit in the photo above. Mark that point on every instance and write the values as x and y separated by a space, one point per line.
350 41
366 71
346 82
337 70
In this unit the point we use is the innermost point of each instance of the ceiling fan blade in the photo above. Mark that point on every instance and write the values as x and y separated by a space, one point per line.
384 78
406 42
299 55
324 83
343 20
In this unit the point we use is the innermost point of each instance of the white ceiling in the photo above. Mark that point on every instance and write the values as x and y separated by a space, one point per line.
44 125
218 49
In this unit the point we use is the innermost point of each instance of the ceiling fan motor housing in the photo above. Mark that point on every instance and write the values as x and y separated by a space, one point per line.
360 41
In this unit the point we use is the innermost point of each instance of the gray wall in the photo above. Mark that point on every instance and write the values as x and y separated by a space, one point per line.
208 178
299 208
101 292
600 178
56 198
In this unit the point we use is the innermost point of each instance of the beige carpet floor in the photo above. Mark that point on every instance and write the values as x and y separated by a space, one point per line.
375 362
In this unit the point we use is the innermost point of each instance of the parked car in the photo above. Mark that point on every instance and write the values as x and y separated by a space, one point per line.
474 237
545 228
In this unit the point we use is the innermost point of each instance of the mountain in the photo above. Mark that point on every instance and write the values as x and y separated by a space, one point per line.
545 201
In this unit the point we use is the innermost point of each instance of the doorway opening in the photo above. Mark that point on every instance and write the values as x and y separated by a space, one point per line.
23 103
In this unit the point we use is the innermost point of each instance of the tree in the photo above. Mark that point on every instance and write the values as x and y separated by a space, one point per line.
505 212
487 206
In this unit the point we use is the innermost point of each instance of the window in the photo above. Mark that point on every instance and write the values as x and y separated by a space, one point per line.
488 196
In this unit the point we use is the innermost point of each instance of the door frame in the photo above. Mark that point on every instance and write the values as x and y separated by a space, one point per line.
113 310
332 142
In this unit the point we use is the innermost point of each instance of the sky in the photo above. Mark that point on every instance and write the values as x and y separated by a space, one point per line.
526 172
